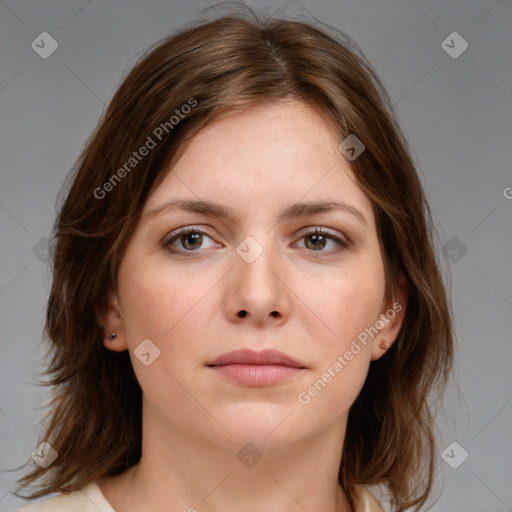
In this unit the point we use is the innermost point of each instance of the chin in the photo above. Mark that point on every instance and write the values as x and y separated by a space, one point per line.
259 440
267 431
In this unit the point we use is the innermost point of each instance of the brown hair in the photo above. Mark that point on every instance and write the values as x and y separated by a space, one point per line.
218 67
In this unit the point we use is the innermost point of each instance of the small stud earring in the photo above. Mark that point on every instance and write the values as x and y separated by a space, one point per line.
112 336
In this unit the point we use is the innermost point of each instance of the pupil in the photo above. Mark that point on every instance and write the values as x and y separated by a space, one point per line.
319 239
195 237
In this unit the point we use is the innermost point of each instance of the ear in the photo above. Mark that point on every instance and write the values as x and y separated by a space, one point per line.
391 318
108 315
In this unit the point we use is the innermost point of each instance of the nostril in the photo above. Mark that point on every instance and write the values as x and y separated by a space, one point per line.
242 313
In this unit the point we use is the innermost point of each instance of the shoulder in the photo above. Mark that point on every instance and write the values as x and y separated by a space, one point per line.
87 499
73 501
368 502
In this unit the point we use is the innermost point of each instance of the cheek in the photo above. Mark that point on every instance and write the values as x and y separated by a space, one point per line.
346 304
348 307
331 393
154 299
160 307
169 308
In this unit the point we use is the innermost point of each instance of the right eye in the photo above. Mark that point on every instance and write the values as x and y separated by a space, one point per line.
190 239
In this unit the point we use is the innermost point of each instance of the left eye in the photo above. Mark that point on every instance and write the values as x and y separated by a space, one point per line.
191 239
319 238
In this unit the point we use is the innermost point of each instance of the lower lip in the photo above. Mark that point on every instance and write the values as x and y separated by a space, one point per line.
256 375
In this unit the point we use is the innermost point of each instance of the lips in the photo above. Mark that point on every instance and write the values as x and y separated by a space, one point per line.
252 369
264 357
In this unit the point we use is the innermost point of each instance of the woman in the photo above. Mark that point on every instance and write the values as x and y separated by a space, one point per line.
246 310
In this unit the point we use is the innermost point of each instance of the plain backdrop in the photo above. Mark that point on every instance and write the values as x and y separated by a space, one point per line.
454 103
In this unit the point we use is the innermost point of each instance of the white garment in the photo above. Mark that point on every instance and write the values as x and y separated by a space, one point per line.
88 499
91 499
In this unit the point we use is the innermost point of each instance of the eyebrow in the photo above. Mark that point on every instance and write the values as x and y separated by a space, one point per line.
296 210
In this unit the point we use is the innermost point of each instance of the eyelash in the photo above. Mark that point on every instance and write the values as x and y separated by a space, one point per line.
345 244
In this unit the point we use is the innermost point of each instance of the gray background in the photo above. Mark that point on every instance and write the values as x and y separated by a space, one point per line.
457 113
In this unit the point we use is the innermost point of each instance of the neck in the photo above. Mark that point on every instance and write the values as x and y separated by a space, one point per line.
180 472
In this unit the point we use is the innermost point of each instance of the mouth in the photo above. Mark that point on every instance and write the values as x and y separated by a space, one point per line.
256 369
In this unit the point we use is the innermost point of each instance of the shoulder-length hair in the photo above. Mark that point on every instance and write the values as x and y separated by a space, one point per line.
207 70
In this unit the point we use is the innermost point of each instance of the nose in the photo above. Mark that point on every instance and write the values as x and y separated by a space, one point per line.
257 289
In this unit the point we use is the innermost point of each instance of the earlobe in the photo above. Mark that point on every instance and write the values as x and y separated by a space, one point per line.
112 342
391 319
109 317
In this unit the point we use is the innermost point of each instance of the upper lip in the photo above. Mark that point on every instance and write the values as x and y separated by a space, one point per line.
247 356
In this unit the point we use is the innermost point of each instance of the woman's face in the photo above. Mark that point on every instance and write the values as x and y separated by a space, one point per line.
307 295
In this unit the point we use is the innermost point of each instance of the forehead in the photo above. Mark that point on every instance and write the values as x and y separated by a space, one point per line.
280 132
267 155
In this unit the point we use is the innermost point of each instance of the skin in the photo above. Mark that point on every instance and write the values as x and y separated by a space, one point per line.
194 421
